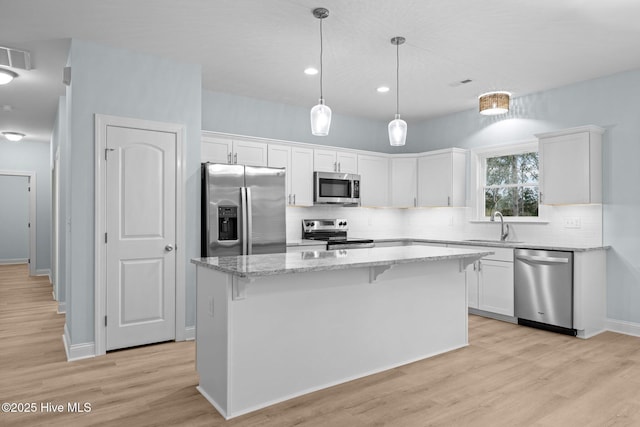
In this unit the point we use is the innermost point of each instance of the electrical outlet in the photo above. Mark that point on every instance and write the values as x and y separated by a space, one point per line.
572 222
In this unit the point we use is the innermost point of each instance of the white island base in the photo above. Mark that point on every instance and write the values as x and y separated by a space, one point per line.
262 340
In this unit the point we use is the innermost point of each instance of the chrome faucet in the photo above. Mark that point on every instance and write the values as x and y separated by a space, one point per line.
504 228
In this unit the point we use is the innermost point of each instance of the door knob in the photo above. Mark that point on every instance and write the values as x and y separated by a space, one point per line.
168 248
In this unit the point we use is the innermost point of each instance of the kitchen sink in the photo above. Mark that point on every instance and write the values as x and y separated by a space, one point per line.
492 241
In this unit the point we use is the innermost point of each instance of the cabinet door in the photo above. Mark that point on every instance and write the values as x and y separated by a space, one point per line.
249 153
347 162
325 161
472 278
279 156
374 180
404 181
215 150
496 287
434 180
302 176
564 169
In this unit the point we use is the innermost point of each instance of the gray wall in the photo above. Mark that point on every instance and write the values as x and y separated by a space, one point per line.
28 156
611 102
222 112
121 83
14 218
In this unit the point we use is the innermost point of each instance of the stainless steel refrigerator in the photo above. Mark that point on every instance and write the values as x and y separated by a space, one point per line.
243 210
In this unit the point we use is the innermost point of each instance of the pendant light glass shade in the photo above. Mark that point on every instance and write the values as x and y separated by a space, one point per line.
397 131
320 114
493 103
320 119
397 127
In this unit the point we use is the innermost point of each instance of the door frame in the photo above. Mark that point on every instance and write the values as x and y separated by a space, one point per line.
100 272
32 215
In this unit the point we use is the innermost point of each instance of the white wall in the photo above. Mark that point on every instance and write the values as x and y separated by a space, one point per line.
29 156
14 219
117 82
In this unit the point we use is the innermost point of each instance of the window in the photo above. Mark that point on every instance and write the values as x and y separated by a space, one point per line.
510 184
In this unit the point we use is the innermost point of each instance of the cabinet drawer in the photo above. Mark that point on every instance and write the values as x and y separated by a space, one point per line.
500 254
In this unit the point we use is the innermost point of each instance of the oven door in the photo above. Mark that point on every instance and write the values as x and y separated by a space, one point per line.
336 188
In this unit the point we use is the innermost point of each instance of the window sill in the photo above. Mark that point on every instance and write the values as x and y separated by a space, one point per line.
511 221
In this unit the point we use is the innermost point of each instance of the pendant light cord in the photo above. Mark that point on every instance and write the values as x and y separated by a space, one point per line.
397 78
321 19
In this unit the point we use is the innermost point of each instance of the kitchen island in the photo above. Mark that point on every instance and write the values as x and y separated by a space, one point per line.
273 327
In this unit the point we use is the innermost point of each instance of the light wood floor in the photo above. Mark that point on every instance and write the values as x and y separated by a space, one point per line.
507 376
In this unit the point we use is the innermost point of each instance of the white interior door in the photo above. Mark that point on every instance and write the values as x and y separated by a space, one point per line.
141 236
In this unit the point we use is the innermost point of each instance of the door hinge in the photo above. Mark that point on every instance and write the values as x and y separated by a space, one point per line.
29 225
29 261
105 320
105 237
106 151
29 189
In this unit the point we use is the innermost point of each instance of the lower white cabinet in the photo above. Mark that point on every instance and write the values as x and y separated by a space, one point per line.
490 281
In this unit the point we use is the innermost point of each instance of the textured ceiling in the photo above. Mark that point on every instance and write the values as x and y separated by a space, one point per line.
259 48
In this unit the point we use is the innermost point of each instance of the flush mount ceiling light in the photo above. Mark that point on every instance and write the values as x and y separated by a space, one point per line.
310 71
321 113
383 89
492 103
13 136
6 76
397 127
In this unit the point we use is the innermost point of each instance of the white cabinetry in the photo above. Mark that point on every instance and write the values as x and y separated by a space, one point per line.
374 180
404 182
490 281
335 161
298 162
442 178
571 166
233 151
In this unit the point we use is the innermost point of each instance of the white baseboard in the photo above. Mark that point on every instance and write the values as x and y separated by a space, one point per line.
190 333
77 351
623 327
44 272
14 261
62 307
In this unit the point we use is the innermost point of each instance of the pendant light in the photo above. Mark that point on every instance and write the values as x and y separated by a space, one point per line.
397 127
492 103
321 113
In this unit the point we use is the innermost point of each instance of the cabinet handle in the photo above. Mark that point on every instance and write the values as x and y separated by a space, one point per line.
235 158
475 265
541 198
448 200
294 199
289 199
479 265
229 157
339 167
415 202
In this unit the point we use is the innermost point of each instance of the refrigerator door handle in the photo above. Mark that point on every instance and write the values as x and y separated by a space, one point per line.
249 225
243 207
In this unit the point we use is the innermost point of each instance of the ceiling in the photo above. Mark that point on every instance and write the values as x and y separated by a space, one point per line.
260 48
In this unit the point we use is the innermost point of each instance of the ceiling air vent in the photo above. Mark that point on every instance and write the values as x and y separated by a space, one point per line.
15 58
460 82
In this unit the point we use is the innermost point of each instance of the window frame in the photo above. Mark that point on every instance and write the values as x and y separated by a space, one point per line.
478 177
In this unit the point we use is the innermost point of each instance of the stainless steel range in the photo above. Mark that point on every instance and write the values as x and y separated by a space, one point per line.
334 232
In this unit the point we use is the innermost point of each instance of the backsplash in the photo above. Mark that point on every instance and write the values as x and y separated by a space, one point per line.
575 225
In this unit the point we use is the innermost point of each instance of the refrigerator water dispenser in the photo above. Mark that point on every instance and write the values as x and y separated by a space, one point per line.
227 223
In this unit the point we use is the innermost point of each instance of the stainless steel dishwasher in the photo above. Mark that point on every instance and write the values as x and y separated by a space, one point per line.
544 289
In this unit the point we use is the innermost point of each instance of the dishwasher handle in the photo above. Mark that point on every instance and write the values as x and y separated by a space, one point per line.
543 259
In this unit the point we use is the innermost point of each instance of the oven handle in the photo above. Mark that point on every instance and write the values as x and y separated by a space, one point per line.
543 259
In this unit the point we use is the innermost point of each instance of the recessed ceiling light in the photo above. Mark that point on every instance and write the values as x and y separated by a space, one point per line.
6 76
383 89
13 136
310 71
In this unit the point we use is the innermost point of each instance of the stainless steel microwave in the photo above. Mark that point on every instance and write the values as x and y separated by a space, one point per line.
336 188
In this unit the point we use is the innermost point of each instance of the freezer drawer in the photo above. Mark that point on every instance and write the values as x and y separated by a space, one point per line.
543 283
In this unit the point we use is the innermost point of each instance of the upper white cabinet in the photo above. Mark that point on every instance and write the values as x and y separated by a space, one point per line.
404 182
442 178
571 166
335 161
298 162
374 176
233 151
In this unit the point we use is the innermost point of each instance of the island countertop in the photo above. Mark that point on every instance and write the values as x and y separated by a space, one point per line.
248 266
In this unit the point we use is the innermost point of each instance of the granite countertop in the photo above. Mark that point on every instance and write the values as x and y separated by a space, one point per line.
300 262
